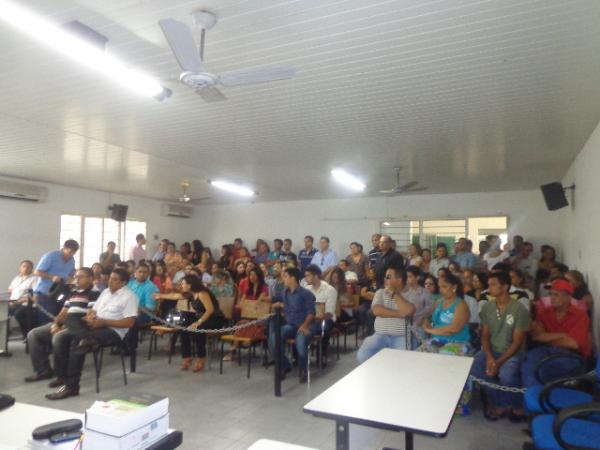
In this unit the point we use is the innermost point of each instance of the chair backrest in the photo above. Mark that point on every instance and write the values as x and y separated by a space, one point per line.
254 309
226 305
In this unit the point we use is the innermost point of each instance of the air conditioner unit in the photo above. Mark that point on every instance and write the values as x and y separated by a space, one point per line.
22 191
174 210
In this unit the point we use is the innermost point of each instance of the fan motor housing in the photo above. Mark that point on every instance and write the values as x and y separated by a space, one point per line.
198 80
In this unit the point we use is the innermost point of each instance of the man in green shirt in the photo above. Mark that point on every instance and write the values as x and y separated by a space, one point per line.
504 325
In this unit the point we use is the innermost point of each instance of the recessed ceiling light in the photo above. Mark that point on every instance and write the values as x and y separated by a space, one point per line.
233 188
386 224
83 52
348 180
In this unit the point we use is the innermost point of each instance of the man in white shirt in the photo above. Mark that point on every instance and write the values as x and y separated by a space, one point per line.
19 289
326 304
526 262
138 252
113 314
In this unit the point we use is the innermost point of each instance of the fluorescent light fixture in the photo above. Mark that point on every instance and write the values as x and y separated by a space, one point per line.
70 45
233 188
386 224
348 180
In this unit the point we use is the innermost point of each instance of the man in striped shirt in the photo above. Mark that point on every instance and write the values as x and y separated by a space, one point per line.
390 309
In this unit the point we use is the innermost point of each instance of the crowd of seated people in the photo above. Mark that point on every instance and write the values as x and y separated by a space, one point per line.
503 305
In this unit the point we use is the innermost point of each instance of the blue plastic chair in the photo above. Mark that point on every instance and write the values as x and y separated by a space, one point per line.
575 428
563 393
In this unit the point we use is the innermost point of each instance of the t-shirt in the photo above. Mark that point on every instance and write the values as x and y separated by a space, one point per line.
421 298
54 264
287 256
243 288
502 326
437 264
20 285
466 260
305 257
395 326
491 261
116 306
80 300
163 286
143 291
325 294
575 324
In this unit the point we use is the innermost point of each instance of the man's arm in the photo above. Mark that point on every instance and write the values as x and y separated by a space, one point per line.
405 308
127 322
517 342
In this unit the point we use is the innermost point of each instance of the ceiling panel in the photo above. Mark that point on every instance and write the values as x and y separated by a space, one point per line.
466 96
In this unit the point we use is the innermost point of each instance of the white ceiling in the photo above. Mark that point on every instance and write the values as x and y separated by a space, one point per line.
467 96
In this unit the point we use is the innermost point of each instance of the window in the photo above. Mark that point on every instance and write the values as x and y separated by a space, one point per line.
430 232
93 233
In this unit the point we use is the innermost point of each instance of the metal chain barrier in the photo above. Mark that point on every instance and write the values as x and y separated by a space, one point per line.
225 330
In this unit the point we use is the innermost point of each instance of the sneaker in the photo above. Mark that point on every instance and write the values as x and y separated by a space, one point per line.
45 375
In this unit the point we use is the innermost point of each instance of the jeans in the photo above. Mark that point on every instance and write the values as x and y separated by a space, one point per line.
366 317
25 317
302 342
378 341
508 375
557 368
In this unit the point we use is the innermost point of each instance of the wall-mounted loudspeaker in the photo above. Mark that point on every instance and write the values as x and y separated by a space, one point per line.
118 212
554 195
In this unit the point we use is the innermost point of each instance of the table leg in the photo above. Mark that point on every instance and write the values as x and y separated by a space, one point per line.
408 440
342 435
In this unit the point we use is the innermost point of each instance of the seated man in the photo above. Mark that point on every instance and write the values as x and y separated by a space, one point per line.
113 314
504 324
390 309
562 328
299 311
143 288
75 305
326 303
19 295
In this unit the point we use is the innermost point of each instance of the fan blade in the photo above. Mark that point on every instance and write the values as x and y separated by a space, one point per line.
211 94
406 186
387 191
180 39
256 76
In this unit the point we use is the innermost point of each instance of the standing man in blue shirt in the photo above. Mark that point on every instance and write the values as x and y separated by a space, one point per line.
57 266
325 258
299 311
305 255
465 258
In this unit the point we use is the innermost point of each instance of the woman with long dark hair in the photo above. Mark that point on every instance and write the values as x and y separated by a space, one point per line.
226 260
197 248
200 310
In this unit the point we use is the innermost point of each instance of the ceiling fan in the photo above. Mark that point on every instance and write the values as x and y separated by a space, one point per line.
191 59
411 186
185 197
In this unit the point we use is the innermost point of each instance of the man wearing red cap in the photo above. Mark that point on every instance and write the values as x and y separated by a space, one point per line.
561 328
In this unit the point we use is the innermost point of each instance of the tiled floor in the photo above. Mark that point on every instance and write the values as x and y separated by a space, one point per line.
231 412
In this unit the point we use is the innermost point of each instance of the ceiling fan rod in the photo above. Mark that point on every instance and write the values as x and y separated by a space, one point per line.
202 34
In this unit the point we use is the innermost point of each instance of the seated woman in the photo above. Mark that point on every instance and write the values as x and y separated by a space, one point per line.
581 293
441 260
414 256
517 278
367 293
165 286
418 296
431 284
467 279
448 326
425 260
337 278
173 259
239 273
226 261
222 284
480 285
455 269
358 262
200 310
252 288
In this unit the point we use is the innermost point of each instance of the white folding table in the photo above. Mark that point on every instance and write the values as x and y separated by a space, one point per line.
396 390
268 444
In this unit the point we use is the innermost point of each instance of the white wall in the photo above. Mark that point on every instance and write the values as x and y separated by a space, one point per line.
581 219
348 220
28 230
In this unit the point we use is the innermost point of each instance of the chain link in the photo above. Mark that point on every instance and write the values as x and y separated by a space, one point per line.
225 330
